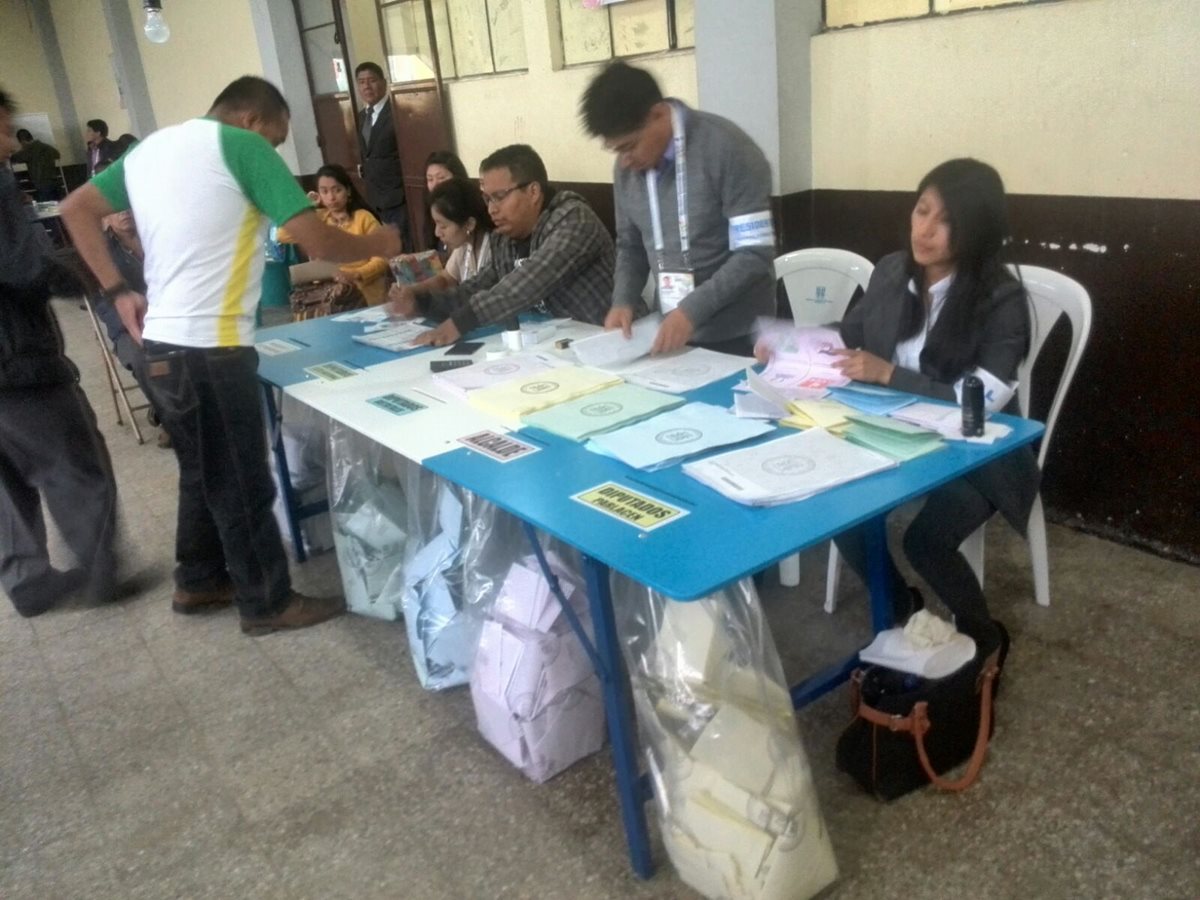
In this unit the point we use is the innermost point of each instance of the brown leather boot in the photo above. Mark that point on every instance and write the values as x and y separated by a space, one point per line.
300 612
189 602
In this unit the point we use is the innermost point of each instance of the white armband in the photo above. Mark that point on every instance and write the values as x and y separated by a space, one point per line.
752 230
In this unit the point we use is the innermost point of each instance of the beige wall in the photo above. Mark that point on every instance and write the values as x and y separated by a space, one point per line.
540 107
212 42
1083 97
86 51
23 72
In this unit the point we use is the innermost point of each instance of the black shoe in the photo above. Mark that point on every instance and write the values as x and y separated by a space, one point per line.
54 586
905 604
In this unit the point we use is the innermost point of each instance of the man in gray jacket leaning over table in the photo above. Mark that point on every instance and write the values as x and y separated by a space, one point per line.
692 194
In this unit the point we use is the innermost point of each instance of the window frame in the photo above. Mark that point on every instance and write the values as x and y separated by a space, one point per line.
672 38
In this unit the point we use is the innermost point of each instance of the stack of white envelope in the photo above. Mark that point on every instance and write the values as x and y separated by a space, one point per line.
441 634
740 816
370 551
537 699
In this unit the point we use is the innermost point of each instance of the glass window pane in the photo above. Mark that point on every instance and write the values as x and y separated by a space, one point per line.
472 49
324 56
508 35
685 23
445 42
315 12
639 26
408 54
585 33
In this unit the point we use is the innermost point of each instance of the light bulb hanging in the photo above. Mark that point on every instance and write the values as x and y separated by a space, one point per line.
156 28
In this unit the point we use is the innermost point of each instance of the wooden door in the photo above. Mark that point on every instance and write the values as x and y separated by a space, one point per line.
422 126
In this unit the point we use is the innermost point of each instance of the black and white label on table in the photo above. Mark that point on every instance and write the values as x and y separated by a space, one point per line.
499 447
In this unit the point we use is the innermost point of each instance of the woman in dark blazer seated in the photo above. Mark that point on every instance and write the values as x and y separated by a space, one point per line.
942 310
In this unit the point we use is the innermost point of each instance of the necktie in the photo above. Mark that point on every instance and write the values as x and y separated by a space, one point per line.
368 115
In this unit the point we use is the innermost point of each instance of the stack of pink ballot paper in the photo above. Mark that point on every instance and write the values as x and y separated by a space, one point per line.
802 359
537 699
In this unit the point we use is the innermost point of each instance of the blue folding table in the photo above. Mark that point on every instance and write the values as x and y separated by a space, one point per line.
718 542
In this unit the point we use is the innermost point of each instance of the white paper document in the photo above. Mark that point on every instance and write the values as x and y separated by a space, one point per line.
673 435
788 469
394 338
610 349
947 421
682 372
460 382
366 314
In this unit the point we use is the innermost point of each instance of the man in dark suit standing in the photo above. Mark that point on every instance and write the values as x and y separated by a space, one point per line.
378 151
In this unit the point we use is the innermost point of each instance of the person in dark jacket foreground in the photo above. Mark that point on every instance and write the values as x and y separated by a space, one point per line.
50 447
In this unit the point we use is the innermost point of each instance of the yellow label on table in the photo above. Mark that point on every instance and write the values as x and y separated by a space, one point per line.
639 510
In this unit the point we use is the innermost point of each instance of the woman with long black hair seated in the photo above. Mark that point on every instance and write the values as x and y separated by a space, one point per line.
932 315
462 223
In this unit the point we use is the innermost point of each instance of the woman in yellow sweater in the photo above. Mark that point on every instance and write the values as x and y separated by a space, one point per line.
340 205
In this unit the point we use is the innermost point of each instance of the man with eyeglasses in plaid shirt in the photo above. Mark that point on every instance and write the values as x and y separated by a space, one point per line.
549 251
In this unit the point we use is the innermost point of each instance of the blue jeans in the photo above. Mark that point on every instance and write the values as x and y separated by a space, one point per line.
208 400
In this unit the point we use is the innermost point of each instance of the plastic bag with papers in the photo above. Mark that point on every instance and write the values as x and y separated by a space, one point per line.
369 513
537 698
737 808
459 550
303 432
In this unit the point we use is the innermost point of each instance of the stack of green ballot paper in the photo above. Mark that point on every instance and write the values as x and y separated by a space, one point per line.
899 440
517 398
612 408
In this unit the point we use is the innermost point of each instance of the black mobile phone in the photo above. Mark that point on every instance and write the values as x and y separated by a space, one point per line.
463 348
445 365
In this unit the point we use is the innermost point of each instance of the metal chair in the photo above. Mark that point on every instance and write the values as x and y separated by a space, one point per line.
1051 296
820 283
114 369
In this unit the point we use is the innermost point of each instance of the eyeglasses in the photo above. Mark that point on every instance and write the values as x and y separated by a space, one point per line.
499 196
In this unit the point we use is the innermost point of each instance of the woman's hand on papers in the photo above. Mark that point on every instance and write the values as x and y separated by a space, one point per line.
860 365
403 301
620 317
675 331
763 351
445 334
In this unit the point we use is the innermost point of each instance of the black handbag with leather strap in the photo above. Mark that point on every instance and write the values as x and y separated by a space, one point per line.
909 731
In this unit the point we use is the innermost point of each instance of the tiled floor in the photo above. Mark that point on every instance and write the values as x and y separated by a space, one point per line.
144 754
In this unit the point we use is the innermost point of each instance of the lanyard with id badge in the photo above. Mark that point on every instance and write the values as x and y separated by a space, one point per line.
673 284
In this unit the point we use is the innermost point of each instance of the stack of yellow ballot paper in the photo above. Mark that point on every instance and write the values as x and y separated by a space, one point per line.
893 438
827 414
514 399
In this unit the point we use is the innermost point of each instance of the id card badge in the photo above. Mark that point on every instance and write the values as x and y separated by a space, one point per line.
673 287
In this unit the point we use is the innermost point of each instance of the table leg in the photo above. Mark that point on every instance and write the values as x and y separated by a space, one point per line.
619 714
878 583
283 475
880 589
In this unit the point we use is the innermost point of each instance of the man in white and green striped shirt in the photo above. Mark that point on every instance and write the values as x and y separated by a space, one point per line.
203 194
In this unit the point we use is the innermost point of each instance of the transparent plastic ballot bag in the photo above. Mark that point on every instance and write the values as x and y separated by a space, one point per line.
370 514
459 550
536 695
736 804
303 432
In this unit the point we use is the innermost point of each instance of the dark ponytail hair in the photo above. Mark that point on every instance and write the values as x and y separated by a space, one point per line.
973 195
460 199
342 177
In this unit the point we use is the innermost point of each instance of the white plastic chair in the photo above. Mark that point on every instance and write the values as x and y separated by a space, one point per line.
1051 295
820 284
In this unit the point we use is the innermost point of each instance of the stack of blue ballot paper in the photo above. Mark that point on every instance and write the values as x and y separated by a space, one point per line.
602 411
875 400
891 437
675 435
